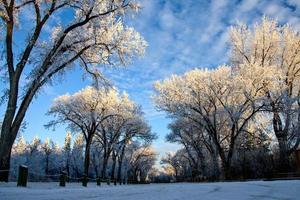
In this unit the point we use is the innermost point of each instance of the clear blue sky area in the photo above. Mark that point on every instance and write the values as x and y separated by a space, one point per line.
181 35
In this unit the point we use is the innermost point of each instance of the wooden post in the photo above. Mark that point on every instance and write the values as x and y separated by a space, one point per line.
99 181
62 179
108 181
85 180
22 177
297 154
115 182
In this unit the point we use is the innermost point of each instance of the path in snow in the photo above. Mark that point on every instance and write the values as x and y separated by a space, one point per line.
285 190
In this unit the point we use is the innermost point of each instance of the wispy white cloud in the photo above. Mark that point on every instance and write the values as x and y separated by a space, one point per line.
186 34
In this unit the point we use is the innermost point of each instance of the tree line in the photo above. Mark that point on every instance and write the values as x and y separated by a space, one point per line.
46 160
242 119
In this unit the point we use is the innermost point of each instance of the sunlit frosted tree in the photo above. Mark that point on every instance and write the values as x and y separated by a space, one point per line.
57 36
87 110
269 49
220 101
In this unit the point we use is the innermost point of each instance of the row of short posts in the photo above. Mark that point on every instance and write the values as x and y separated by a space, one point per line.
63 178
85 180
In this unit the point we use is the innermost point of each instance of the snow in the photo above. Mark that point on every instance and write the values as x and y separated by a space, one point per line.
287 190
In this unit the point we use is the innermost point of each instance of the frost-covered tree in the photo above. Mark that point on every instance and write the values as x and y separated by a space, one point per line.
170 159
90 33
107 136
66 152
42 158
219 101
87 110
135 129
77 155
193 138
110 130
48 147
141 162
273 50
35 159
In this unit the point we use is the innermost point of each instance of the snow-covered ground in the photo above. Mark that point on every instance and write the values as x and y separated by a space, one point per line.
285 190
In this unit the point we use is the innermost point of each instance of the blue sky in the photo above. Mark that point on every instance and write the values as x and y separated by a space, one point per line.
181 35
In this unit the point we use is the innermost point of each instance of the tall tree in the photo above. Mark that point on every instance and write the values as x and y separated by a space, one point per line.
92 34
269 49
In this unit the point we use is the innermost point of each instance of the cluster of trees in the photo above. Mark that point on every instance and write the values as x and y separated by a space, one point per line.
46 160
241 120
59 35
109 123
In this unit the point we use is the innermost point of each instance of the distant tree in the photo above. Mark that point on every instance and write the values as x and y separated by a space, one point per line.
93 33
87 110
108 135
67 152
135 129
141 162
47 148
172 161
35 160
186 133
77 155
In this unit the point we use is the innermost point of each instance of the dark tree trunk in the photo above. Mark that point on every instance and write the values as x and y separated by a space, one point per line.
176 173
225 165
281 135
120 163
113 168
104 165
12 122
215 165
135 175
96 171
47 165
68 168
201 159
95 165
4 163
227 171
6 143
284 164
87 155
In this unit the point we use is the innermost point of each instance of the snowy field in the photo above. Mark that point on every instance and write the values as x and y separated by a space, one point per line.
285 190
